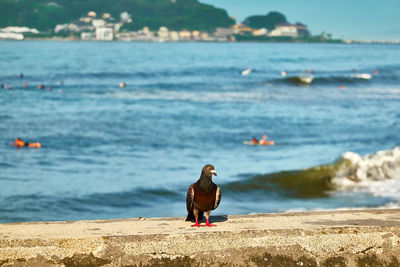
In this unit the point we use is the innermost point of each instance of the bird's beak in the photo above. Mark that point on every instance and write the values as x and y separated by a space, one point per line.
214 172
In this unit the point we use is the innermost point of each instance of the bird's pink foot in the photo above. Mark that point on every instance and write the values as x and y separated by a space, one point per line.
209 224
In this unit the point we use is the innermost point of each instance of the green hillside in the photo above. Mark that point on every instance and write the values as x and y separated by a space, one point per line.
268 21
174 14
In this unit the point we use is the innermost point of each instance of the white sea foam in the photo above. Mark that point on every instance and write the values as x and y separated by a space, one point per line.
193 96
390 205
364 76
377 174
229 94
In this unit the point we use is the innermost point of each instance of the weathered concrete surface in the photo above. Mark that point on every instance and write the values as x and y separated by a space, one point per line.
340 238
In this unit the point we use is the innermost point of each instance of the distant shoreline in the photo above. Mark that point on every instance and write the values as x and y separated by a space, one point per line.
196 41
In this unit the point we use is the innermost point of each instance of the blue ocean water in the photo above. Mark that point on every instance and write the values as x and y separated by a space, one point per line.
112 152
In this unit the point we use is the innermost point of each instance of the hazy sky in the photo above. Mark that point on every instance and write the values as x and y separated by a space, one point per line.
347 19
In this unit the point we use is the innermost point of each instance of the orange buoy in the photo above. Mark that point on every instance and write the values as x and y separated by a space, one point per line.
122 85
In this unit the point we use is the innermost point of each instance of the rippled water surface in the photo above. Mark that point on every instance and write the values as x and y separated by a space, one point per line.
113 152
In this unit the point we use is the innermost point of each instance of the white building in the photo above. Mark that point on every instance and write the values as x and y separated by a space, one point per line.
97 23
126 36
284 30
174 36
104 34
196 35
17 29
260 32
290 30
206 37
88 36
185 34
225 32
163 33
302 30
146 31
11 36
66 27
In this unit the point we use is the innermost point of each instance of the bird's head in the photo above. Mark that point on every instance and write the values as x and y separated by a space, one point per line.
208 171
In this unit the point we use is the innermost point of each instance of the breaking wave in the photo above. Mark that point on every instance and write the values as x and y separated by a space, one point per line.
326 80
377 174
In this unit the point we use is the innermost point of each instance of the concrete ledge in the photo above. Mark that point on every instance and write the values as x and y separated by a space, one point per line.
337 238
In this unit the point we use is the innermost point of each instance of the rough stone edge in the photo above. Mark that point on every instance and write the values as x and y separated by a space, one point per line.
114 250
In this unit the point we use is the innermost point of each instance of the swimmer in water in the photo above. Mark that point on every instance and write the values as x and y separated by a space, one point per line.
254 141
266 142
19 143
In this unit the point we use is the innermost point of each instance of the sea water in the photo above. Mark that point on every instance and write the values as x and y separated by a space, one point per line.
123 152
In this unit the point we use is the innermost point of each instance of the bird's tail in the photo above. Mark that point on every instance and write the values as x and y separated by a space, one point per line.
190 216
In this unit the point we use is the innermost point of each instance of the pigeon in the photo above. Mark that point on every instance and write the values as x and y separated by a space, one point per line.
203 196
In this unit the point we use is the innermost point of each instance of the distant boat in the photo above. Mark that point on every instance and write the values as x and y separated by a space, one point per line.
246 71
364 76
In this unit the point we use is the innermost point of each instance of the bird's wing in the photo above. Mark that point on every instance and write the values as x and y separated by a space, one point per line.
217 197
190 199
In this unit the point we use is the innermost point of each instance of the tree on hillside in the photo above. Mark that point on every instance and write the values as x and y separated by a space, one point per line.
268 21
176 15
